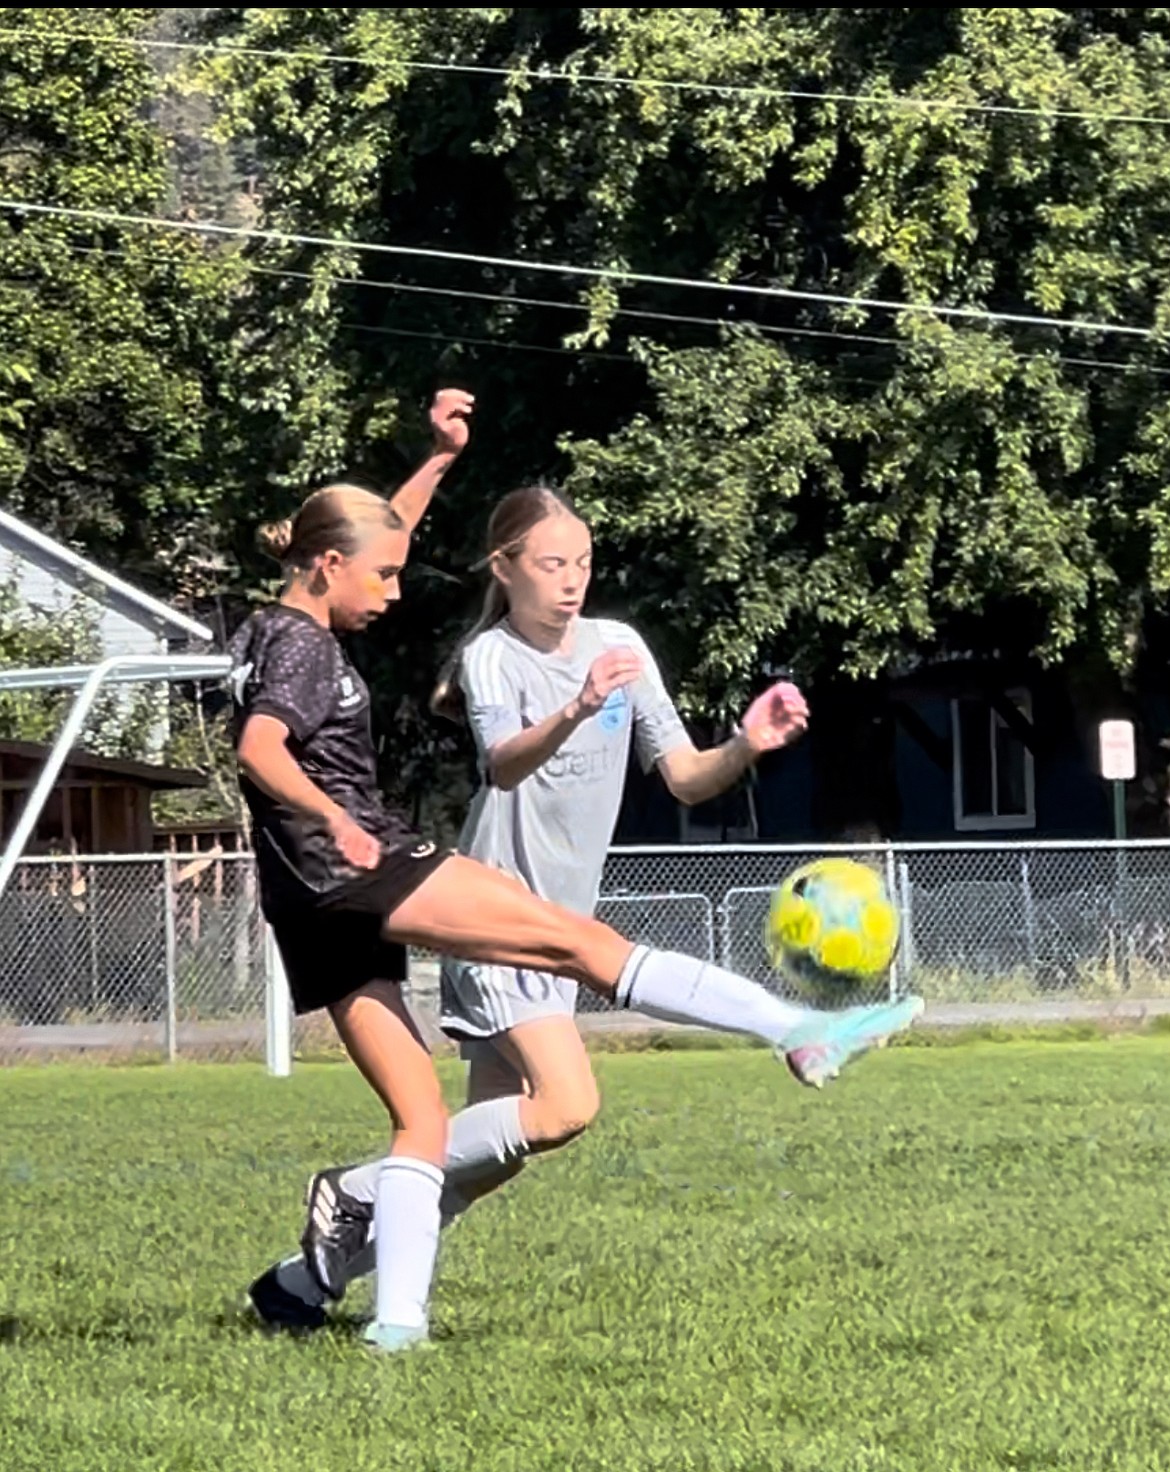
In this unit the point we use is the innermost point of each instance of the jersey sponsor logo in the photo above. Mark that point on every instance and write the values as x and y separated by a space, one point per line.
585 766
350 694
613 713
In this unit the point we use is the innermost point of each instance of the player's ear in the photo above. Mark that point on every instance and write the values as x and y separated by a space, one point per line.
501 568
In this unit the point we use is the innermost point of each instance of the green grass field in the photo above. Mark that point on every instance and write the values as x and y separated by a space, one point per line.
959 1258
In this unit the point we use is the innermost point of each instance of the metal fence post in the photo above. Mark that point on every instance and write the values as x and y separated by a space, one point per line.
906 905
1029 913
724 934
892 891
91 932
1120 881
170 1019
277 1010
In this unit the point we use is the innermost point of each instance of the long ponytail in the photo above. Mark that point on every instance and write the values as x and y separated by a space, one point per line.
512 519
447 697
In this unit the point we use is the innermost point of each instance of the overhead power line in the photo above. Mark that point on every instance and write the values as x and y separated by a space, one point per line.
509 299
592 273
744 90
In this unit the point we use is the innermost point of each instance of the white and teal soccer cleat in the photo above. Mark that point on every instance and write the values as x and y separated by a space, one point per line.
396 1338
817 1051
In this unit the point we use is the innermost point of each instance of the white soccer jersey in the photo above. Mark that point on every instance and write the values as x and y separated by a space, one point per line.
554 828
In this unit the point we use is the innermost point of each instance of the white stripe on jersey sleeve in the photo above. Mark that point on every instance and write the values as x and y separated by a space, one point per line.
479 672
493 707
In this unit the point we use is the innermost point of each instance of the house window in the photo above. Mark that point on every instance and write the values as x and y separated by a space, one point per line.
994 773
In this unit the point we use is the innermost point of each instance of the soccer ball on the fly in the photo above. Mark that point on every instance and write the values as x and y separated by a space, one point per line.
833 926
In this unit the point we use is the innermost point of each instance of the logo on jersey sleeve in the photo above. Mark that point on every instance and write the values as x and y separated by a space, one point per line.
612 714
238 681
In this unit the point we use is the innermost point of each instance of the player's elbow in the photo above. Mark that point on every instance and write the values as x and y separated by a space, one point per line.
682 786
680 773
246 755
503 774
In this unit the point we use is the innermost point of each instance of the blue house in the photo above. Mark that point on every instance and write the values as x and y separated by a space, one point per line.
949 749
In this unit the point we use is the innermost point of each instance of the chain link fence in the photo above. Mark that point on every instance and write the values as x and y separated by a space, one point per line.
167 956
150 953
982 923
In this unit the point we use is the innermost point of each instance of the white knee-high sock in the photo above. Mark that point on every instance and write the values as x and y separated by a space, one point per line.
678 988
406 1238
294 1274
481 1138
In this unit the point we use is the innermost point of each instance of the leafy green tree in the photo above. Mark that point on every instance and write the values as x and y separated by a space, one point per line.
837 489
115 332
834 487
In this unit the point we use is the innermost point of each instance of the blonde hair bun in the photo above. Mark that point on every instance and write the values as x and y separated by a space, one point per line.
275 538
336 517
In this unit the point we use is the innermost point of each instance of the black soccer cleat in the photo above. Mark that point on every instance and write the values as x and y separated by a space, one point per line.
337 1229
280 1310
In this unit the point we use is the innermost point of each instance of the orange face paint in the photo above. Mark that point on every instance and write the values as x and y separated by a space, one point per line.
372 583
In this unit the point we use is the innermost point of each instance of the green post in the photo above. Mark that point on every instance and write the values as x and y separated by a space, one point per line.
1119 886
1119 810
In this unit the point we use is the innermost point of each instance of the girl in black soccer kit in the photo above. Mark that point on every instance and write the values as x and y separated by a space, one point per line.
345 884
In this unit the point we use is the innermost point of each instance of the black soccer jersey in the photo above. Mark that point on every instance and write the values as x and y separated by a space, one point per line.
287 665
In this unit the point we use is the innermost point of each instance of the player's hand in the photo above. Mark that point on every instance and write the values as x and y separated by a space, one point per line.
608 672
450 420
356 846
775 719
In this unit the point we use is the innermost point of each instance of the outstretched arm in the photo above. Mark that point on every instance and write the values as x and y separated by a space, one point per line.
450 416
775 719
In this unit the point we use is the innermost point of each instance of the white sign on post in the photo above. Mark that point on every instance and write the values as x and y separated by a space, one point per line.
1118 762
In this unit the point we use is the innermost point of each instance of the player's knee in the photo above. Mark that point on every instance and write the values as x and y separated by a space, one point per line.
569 1112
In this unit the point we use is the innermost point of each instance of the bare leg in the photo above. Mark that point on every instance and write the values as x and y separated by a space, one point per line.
469 911
546 1065
563 1100
381 1038
465 909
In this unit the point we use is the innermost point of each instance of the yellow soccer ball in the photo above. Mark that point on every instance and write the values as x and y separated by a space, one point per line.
833 926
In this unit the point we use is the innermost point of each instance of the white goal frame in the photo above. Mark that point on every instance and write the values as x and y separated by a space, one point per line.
89 681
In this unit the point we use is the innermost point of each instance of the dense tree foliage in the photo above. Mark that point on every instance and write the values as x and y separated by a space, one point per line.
786 479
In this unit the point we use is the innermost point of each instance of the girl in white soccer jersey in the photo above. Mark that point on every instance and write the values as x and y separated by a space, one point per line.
554 700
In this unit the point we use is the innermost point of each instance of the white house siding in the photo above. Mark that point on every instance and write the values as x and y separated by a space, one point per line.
41 589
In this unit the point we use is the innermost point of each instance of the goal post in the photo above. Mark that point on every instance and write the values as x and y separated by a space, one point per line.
89 680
